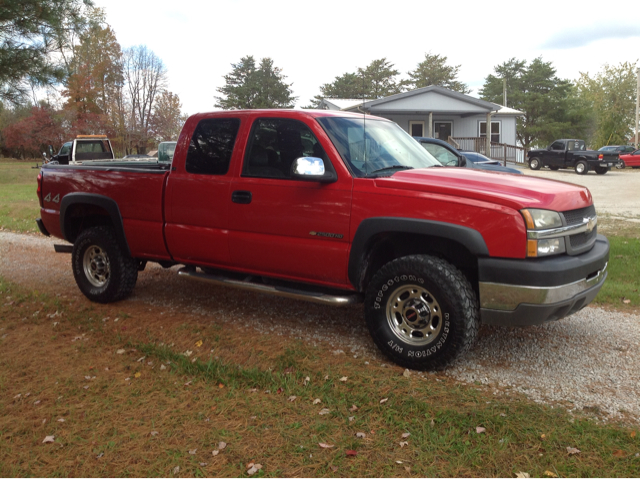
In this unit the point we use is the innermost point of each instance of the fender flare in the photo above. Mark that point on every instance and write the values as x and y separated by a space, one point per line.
108 204
369 228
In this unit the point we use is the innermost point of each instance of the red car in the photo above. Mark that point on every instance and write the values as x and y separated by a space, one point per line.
630 159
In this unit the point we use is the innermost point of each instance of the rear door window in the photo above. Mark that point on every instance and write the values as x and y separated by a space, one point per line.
211 146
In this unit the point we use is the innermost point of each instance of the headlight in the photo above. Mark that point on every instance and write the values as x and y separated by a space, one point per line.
539 221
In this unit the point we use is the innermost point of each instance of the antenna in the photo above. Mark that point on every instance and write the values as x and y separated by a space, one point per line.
364 127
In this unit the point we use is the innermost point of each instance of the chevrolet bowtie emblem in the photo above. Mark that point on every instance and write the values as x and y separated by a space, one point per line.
590 224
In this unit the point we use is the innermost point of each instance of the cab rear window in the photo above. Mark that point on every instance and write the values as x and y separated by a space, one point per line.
211 146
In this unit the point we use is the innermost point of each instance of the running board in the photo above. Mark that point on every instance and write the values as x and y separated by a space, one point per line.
63 248
314 297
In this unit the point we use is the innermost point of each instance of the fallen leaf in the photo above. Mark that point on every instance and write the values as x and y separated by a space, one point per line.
254 468
49 439
317 401
625 300
406 435
619 453
100 455
326 378
633 434
334 468
154 433
199 343
523 475
543 437
188 383
292 398
176 470
279 391
188 353
324 411
361 435
406 373
141 359
480 430
407 468
221 386
215 452
382 401
306 381
120 351
137 375
353 408
399 462
343 379
550 474
572 450
162 367
192 451
351 418
404 443
351 453
222 445
202 464
324 445
61 420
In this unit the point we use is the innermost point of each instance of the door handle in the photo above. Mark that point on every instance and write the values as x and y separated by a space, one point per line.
241 197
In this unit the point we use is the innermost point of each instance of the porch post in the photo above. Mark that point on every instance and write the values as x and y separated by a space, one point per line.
430 124
487 147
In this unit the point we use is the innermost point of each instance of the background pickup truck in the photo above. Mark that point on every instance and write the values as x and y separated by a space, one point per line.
83 148
572 154
334 208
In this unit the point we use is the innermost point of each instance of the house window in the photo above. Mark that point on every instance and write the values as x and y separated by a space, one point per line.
495 131
416 128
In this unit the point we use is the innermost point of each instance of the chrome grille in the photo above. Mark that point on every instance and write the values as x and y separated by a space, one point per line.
575 217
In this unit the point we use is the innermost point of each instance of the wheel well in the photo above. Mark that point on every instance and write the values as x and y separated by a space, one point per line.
386 247
81 216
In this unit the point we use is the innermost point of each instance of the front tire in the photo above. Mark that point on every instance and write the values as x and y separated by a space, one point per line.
421 312
601 170
103 272
582 168
534 163
554 168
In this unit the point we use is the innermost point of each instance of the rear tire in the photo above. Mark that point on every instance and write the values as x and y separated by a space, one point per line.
103 272
582 167
534 163
601 170
421 312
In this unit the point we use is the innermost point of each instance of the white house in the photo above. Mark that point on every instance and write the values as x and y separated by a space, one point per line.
437 112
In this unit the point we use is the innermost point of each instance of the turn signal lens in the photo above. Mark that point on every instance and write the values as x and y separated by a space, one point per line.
532 248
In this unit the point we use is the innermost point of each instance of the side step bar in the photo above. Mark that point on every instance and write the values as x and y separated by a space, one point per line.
63 248
314 297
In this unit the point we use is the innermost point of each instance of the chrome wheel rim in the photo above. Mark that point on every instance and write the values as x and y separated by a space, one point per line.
96 266
534 164
414 315
580 168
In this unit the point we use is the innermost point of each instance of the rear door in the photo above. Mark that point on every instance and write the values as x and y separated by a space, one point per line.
282 226
198 195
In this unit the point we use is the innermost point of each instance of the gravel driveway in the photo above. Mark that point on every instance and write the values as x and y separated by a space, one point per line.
587 361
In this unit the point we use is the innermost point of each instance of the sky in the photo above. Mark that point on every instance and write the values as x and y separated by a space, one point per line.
314 42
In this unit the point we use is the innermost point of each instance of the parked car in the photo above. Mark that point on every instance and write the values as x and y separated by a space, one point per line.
478 158
572 153
620 149
630 159
450 156
84 148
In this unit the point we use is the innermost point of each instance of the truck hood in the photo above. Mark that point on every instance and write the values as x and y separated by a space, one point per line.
513 191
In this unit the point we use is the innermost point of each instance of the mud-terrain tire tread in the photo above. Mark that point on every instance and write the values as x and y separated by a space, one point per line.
451 288
123 268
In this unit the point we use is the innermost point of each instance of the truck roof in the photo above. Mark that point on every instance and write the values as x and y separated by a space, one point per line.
289 113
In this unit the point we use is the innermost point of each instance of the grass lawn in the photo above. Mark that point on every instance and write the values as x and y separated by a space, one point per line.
19 206
125 390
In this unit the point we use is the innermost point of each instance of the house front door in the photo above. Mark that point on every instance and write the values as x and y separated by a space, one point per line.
442 130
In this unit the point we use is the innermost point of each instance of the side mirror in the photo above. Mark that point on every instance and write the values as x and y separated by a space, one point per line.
310 168
463 161
50 150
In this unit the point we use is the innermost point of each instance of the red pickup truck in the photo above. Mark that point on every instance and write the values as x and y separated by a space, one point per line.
335 208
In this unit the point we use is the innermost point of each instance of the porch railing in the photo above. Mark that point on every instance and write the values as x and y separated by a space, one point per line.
499 151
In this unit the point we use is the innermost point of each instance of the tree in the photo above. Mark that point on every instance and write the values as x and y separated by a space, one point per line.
31 31
433 70
611 94
551 109
251 87
146 77
349 85
31 135
167 119
379 79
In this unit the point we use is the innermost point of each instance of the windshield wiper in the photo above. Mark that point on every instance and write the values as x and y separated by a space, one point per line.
393 167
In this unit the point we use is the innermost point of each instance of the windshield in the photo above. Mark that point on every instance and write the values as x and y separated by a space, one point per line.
375 147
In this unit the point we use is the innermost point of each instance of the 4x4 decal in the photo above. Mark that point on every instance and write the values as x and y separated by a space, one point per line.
56 199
